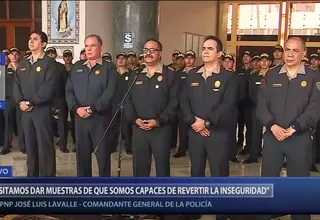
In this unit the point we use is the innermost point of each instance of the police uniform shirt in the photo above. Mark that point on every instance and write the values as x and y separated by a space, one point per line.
155 97
122 85
91 86
211 99
289 100
256 81
35 81
60 85
9 80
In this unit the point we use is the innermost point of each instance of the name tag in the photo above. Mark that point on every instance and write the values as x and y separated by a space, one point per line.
258 83
216 90
23 69
241 74
139 82
183 77
79 70
10 73
194 84
277 85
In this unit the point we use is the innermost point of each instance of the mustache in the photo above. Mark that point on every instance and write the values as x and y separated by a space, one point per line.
149 56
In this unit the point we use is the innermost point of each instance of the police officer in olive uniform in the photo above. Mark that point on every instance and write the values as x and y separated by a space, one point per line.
315 61
255 64
180 66
190 58
107 57
174 59
314 64
34 90
132 62
60 108
83 54
277 56
207 100
244 106
288 105
68 58
122 86
255 82
228 63
89 92
141 59
151 106
11 111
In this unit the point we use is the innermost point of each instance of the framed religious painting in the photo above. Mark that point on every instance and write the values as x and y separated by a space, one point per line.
63 21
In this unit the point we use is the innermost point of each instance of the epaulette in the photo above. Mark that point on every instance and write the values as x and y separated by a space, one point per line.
172 69
273 67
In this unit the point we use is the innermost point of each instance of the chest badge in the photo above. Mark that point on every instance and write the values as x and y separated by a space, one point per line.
97 72
38 69
157 86
160 78
304 83
126 78
217 84
194 84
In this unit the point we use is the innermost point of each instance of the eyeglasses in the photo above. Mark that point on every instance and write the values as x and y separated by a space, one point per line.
150 50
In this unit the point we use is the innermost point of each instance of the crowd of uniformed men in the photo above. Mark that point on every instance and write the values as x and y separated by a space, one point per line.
204 106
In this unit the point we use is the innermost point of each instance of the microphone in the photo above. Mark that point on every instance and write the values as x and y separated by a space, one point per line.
140 68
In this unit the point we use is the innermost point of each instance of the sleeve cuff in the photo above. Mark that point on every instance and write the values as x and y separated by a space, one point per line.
270 124
192 120
31 102
297 126
75 108
93 108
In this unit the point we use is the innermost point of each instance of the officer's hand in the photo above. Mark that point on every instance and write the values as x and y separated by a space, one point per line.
151 123
205 132
141 124
199 125
23 106
280 133
29 109
82 112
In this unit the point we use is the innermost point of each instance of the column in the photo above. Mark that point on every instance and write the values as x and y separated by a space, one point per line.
137 18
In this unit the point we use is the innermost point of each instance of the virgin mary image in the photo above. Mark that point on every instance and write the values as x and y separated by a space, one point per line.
63 16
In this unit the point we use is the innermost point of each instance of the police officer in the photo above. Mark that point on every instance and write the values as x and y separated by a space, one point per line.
34 89
207 101
255 82
315 61
60 108
89 91
151 106
180 66
132 60
190 58
141 59
68 58
244 106
11 111
174 59
288 106
277 56
107 57
83 54
228 63
122 86
255 64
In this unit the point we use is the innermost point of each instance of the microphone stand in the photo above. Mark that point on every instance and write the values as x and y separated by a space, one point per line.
120 140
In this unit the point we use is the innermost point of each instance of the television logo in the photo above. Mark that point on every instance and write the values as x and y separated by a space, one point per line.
6 171
128 40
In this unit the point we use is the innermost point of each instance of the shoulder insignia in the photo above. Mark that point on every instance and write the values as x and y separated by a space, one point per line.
170 68
318 85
